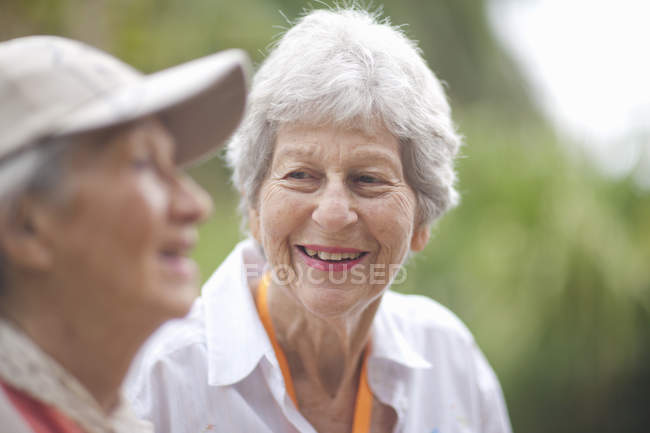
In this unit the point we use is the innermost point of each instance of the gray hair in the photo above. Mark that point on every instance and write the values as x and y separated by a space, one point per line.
36 170
350 68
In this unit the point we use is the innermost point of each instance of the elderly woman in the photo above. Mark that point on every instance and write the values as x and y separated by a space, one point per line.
343 161
96 220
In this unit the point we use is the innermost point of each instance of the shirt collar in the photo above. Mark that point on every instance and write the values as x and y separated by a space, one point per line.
236 340
393 360
235 347
389 342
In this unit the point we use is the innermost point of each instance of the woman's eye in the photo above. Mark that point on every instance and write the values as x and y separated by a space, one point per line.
142 163
298 175
367 179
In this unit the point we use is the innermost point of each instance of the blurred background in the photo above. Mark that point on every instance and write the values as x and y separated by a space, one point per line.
547 259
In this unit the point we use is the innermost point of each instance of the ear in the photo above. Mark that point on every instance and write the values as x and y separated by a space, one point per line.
21 237
254 223
420 238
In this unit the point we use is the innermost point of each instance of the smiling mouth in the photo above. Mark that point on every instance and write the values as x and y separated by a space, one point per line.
178 247
171 254
175 252
332 257
178 264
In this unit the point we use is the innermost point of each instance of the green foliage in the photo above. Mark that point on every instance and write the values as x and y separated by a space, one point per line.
547 264
545 261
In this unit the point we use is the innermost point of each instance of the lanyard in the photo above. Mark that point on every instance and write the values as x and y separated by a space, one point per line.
363 406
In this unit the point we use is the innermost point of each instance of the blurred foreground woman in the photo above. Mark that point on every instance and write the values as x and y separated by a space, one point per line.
96 220
343 161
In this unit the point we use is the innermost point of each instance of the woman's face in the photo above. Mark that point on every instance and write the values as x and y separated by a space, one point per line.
125 227
336 212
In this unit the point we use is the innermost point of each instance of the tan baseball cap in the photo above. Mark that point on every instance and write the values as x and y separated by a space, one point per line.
52 86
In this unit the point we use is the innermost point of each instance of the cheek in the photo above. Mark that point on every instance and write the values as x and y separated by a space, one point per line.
392 221
144 216
282 213
138 228
152 204
124 223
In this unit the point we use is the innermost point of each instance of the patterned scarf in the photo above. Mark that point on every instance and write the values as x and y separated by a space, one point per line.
27 368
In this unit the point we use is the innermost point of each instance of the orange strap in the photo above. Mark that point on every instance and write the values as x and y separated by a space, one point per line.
363 406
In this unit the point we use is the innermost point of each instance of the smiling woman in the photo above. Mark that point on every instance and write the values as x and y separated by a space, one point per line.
343 161
96 221
348 195
155 276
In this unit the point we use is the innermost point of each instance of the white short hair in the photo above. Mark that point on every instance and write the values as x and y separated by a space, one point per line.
349 68
36 170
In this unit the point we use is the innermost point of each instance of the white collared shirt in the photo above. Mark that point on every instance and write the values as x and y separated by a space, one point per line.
216 371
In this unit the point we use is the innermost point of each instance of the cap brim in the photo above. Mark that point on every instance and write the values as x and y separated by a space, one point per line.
201 102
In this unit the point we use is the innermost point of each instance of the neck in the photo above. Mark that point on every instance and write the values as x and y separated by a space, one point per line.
92 346
325 353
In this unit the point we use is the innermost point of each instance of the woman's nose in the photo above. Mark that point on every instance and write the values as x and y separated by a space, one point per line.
190 203
334 210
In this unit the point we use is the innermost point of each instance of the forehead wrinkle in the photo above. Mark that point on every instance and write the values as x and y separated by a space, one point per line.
294 152
374 153
360 153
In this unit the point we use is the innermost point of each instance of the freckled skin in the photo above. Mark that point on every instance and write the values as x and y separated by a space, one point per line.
333 187
353 193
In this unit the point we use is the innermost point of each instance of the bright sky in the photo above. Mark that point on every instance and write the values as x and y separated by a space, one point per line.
589 61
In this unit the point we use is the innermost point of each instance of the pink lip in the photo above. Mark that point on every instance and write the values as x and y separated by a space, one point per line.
179 263
326 266
181 266
183 244
332 249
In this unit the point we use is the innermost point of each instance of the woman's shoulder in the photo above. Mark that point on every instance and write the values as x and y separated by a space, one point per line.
177 342
423 315
175 354
178 334
424 330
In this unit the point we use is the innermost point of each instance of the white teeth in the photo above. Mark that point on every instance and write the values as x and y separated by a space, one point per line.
324 256
332 256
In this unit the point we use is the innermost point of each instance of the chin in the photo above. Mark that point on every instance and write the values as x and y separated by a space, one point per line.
177 301
330 303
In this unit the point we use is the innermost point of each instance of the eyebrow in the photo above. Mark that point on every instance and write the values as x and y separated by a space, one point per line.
295 152
363 154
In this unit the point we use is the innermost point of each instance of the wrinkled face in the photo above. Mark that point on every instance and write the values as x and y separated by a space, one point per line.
126 226
336 214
